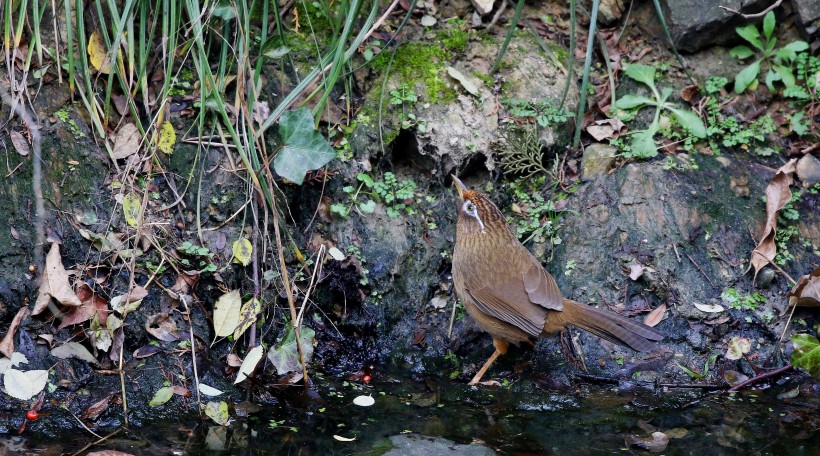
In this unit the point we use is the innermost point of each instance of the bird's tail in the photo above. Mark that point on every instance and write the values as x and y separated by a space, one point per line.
604 324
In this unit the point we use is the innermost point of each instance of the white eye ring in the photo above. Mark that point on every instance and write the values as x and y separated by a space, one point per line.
469 208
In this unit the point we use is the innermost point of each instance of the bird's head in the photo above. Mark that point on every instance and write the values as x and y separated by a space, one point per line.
476 213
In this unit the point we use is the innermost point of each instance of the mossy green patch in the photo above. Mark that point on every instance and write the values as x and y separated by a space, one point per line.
422 64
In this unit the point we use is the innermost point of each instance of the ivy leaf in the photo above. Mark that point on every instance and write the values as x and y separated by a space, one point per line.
690 121
746 77
285 356
806 353
305 148
641 73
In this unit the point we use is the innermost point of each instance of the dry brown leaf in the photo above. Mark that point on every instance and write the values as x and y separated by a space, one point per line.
7 344
778 194
163 327
95 410
126 141
92 304
806 292
55 283
19 142
656 316
181 391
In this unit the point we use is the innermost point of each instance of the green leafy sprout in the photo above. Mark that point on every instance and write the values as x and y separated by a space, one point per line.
643 143
778 62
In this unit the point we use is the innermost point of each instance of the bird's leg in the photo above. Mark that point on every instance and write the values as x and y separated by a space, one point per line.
500 349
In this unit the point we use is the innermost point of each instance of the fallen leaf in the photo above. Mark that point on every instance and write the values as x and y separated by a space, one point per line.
636 271
218 411
285 356
19 142
74 350
95 410
778 194
249 363
7 344
734 378
806 292
343 439
242 251
162 396
209 390
55 283
24 385
737 347
806 354
234 360
654 444
126 142
132 209
656 316
167 138
163 327
181 391
146 351
226 314
247 316
709 308
336 254
465 82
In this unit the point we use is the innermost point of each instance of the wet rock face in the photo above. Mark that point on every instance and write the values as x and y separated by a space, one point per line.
696 24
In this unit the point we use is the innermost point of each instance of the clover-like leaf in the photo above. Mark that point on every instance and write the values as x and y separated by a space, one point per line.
305 148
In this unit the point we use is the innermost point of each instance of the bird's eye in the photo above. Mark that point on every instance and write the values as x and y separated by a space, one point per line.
469 207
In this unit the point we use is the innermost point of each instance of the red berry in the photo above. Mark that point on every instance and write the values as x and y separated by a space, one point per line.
32 415
366 378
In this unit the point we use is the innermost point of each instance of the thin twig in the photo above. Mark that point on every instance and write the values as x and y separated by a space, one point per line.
757 378
101 440
751 16
699 269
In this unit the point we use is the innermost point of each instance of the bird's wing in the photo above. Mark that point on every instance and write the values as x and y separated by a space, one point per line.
509 302
540 286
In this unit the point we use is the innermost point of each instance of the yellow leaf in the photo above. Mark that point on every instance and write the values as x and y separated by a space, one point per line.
167 138
132 208
98 55
226 314
242 250
247 316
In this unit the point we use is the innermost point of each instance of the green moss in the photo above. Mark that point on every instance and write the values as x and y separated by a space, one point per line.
420 63
454 39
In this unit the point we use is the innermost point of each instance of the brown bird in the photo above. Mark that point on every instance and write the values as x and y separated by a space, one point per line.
510 295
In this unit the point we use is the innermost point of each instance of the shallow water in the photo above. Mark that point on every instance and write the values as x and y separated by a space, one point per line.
522 418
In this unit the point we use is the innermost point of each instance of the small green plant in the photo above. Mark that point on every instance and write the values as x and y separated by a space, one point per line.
536 218
541 110
570 267
524 155
710 362
366 207
394 193
786 230
196 258
736 300
643 143
778 62
406 98
726 131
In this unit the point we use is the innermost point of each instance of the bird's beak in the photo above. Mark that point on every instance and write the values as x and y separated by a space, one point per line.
460 188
